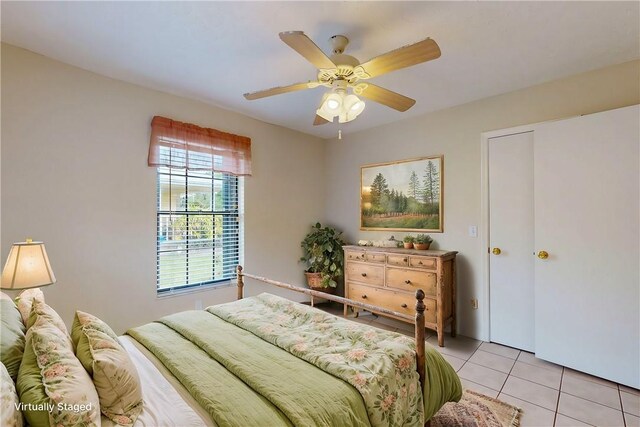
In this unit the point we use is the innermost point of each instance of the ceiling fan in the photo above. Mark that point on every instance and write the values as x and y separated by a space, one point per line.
341 72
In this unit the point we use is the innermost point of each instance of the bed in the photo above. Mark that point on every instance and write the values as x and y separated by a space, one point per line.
268 361
262 360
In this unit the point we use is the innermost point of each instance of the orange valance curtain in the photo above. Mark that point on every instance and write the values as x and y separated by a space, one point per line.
183 145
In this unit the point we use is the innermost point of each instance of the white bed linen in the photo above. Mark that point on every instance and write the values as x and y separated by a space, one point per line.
166 402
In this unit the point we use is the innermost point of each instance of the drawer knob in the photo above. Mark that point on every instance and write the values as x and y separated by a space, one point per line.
420 262
364 296
404 306
364 274
404 260
407 281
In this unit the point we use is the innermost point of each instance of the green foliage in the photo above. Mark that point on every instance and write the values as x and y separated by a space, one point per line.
414 186
423 238
199 226
431 184
323 253
379 190
420 206
409 239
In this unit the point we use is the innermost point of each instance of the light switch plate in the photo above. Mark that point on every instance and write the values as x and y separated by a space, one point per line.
473 231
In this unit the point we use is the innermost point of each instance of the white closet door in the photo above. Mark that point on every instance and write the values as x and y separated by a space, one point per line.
511 232
587 297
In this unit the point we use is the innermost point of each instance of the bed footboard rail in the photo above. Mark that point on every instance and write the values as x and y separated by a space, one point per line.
419 317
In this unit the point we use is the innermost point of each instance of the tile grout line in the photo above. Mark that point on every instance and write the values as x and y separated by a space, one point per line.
555 416
509 374
467 360
538 366
624 419
592 401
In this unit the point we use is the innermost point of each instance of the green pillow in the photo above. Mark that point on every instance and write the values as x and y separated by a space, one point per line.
30 387
52 377
114 374
11 336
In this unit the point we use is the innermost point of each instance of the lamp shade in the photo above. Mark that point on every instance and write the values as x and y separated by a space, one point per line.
27 267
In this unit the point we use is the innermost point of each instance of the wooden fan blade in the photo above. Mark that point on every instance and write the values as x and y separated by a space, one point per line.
298 41
320 121
403 57
387 97
276 91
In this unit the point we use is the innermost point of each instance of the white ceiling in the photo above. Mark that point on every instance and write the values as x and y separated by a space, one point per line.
216 51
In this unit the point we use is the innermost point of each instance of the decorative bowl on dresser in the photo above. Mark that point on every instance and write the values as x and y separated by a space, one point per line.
388 278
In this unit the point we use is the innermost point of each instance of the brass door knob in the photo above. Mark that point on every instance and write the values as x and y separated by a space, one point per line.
496 251
543 255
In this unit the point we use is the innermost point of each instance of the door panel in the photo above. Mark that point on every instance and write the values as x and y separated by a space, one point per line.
586 199
511 230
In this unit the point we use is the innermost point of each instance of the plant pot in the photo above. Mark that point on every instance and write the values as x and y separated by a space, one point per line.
421 246
408 245
314 280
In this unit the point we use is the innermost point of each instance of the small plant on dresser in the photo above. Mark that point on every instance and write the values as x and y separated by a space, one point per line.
422 242
323 256
408 242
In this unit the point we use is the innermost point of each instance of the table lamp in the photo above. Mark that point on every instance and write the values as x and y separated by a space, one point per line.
27 267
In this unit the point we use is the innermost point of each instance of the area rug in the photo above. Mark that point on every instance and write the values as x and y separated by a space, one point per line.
475 409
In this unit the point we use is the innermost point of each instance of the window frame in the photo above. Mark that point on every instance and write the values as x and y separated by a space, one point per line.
233 214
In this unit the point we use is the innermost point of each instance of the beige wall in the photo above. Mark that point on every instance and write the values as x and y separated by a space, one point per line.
455 133
74 174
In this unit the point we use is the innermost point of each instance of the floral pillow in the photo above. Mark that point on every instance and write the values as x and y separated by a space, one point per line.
10 416
25 300
114 374
54 388
40 309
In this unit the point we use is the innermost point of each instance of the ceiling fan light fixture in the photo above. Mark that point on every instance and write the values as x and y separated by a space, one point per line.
333 103
352 107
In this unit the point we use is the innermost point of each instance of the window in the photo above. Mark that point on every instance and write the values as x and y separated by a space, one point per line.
199 228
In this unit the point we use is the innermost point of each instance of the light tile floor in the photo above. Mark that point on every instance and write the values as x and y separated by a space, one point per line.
549 394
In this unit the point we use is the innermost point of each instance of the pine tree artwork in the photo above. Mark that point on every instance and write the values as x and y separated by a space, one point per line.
403 195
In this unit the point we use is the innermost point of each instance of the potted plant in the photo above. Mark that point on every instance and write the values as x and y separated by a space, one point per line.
408 242
422 242
324 257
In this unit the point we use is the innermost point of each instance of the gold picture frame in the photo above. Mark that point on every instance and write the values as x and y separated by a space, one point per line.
405 195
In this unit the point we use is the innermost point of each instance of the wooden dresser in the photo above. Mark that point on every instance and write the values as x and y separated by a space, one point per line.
389 278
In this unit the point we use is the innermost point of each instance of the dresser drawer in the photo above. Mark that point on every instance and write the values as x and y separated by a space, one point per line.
375 257
411 280
354 256
400 302
365 273
401 260
422 262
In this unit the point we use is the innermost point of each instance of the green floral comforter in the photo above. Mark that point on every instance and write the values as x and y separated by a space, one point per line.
381 365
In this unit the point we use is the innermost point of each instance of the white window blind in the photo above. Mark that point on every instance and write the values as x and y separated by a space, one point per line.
199 225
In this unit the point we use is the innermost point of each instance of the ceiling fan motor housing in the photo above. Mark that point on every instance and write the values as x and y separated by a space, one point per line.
338 43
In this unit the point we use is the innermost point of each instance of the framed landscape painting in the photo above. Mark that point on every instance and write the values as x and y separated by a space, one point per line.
403 195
